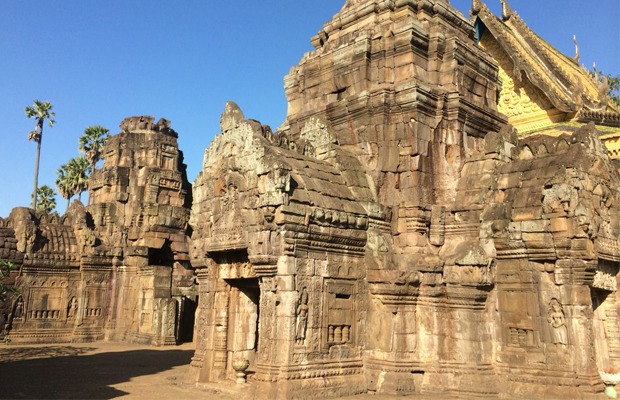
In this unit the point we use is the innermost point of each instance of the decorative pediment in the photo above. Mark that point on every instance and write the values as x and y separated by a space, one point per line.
227 227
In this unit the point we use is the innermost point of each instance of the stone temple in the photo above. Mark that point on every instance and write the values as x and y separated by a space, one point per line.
438 213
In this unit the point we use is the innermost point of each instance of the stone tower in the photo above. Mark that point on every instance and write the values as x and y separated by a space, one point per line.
140 205
404 87
396 236
118 268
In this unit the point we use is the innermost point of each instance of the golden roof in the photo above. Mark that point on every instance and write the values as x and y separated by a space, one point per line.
569 87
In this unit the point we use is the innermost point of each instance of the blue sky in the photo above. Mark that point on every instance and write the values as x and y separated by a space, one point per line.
99 62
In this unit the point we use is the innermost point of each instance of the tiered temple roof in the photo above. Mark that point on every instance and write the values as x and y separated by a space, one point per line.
541 86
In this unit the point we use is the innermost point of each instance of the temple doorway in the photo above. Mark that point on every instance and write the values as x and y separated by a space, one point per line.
188 314
243 320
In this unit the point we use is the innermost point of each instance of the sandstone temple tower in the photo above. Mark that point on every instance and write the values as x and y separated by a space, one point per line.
396 235
118 268
140 204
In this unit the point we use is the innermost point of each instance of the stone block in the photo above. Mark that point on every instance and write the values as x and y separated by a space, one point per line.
526 213
564 225
539 240
508 181
534 226
151 242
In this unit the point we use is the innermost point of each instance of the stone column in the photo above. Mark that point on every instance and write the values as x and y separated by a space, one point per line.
201 331
220 330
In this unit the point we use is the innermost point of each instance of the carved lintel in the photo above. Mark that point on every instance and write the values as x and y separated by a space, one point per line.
264 265
396 292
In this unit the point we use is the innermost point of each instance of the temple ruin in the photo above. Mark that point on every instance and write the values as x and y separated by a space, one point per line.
117 269
438 213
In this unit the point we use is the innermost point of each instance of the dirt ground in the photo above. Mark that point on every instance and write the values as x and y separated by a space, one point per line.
112 370
97 371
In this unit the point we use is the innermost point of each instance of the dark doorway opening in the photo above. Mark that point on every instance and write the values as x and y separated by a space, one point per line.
188 315
243 320
162 256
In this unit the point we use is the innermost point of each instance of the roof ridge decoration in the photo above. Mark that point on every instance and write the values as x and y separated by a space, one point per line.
569 87
476 5
576 58
506 10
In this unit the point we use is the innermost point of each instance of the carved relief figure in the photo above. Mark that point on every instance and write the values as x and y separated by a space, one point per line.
282 180
19 308
266 327
72 307
229 206
302 317
559 197
557 320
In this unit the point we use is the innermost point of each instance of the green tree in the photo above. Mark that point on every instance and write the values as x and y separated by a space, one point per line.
64 184
92 143
613 84
78 170
614 88
46 201
40 111
5 271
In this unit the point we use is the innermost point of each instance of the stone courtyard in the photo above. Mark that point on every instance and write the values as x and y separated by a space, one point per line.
437 216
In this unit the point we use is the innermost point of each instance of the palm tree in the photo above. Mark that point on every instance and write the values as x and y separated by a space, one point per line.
72 178
92 142
45 199
41 111
78 169
64 184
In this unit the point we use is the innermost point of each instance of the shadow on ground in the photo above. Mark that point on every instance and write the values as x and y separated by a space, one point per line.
67 373
28 353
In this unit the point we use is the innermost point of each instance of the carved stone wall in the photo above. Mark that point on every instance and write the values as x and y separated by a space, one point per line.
553 221
282 258
394 236
117 269
405 89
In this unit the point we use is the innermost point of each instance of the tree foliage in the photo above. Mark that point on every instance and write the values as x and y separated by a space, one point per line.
92 142
613 84
72 177
79 170
46 201
5 271
64 184
40 111
614 88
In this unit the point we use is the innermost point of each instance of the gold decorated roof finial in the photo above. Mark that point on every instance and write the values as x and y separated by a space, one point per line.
576 58
476 5
506 11
595 71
